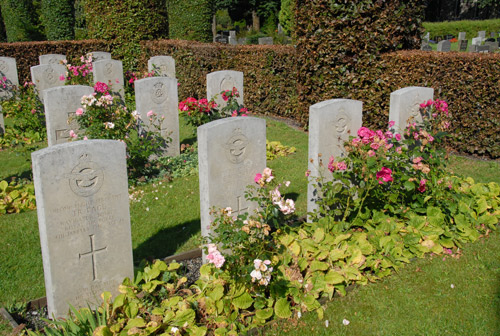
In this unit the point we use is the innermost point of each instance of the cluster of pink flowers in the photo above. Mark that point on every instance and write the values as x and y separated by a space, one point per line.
439 105
3 82
242 112
418 164
261 272
384 175
230 93
214 256
201 106
265 177
90 100
101 88
419 134
421 186
78 70
334 166
133 76
375 139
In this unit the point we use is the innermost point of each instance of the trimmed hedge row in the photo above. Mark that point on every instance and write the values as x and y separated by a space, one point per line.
58 18
190 19
18 19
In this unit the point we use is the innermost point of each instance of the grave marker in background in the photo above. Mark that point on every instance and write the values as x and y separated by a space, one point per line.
444 45
463 45
219 81
84 221
163 66
47 76
159 94
231 152
8 69
462 35
266 40
52 59
331 123
110 72
405 106
60 105
100 55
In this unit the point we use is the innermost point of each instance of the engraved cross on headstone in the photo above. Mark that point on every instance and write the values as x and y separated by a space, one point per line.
92 254
239 210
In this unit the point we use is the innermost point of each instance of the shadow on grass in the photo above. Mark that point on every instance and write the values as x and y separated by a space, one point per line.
166 241
190 141
25 175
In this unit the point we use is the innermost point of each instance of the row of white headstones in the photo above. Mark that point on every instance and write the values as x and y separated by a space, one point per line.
82 191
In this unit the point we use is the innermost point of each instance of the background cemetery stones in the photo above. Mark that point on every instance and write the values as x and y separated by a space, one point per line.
405 105
60 105
266 40
52 59
110 72
231 152
444 45
462 45
162 65
100 55
221 81
159 94
462 36
47 76
84 221
331 123
8 69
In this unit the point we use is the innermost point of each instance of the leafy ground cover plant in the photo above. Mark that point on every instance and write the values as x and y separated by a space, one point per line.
103 117
16 196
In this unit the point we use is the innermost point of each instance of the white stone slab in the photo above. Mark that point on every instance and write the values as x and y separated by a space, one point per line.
60 105
52 59
331 123
444 45
163 65
266 40
47 76
100 55
159 94
219 81
8 69
110 72
84 221
405 106
231 152
462 35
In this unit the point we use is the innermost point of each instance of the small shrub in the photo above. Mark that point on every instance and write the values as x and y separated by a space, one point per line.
16 197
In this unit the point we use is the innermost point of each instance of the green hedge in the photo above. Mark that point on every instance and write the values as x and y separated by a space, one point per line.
18 19
3 36
190 19
468 26
58 18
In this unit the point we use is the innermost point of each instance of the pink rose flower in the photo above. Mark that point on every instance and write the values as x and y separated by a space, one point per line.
421 187
73 134
384 175
257 178
391 123
79 111
150 113
398 136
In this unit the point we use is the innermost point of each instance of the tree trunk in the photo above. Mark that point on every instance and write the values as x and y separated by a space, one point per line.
255 21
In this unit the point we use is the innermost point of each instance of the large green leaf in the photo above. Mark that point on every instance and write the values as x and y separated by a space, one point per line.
243 301
282 308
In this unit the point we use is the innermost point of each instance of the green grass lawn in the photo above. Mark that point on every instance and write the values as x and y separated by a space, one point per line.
165 221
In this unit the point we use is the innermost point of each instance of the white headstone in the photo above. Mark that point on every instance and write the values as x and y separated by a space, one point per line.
331 123
266 40
405 106
231 152
163 66
8 69
60 105
481 34
47 76
462 35
159 94
51 58
444 45
84 221
100 55
2 123
233 40
224 80
476 41
232 33
110 72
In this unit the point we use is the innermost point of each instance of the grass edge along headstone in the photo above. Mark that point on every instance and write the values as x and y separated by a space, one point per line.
405 106
223 80
331 122
159 94
83 213
231 152
60 104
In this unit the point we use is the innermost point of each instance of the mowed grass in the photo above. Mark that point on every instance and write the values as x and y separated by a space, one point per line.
165 221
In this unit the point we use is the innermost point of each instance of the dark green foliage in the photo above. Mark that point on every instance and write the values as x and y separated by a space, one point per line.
190 19
58 18
3 36
80 23
338 40
124 23
18 17
286 16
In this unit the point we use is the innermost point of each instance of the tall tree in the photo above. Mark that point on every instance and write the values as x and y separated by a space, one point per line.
58 18
250 10
19 18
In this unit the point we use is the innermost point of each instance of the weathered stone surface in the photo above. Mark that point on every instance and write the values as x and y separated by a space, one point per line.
159 94
331 123
462 35
230 152
60 105
219 81
163 65
444 45
110 72
266 40
8 69
100 55
47 76
405 106
84 221
52 59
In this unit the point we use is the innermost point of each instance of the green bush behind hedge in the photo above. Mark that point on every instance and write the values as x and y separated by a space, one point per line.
58 18
190 19
18 17
468 26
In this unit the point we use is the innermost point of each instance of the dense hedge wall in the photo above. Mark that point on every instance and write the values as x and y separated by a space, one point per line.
269 71
18 19
190 19
26 53
3 36
58 18
339 40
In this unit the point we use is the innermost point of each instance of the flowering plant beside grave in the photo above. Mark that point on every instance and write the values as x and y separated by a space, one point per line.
131 77
79 74
103 118
199 112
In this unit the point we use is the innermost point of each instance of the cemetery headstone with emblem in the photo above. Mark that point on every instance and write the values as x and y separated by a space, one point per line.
52 59
219 81
405 106
100 55
110 72
47 76
162 65
8 69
